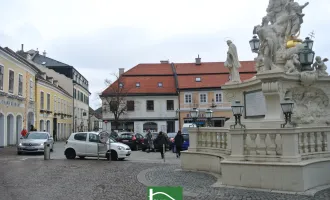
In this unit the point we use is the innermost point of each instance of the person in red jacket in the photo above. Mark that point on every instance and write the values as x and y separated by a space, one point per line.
24 132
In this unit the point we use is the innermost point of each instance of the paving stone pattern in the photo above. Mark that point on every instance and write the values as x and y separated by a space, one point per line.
197 186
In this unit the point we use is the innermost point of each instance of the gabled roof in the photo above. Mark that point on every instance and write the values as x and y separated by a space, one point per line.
20 58
211 68
147 85
150 69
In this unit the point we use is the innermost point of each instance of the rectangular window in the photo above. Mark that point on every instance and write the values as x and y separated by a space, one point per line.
218 97
11 81
55 104
41 100
74 93
1 77
203 98
130 105
150 105
31 90
48 101
170 104
187 98
20 84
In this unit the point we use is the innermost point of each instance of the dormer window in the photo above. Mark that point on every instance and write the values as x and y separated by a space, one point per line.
198 79
121 85
137 84
160 84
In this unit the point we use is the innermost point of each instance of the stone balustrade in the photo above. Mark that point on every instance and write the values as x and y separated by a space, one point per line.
262 145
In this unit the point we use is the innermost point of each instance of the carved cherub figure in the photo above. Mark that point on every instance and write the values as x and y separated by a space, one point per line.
320 67
293 65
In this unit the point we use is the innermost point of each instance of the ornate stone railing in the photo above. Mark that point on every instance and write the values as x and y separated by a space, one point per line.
211 140
263 145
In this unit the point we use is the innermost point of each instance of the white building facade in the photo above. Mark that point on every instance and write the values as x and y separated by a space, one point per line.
155 113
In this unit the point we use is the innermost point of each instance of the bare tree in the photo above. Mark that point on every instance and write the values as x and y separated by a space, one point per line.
114 98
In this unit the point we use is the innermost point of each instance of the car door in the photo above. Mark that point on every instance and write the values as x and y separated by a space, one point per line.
91 144
79 143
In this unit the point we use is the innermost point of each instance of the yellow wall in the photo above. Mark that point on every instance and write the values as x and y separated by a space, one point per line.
66 121
184 108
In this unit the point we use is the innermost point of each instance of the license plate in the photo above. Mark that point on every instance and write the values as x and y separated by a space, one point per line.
125 140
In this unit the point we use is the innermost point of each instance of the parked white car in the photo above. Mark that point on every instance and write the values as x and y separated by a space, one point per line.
85 144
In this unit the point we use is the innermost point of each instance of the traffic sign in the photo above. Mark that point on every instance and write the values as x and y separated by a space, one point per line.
104 136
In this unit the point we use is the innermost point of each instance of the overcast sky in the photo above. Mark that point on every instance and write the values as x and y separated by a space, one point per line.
99 36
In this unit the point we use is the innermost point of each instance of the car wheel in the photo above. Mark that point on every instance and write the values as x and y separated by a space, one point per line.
19 153
70 154
144 149
82 157
114 155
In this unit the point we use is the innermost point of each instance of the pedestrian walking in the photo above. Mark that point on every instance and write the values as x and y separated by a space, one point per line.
149 140
160 141
178 141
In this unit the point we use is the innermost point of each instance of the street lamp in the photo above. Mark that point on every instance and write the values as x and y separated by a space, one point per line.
287 107
255 44
306 55
194 115
237 109
209 115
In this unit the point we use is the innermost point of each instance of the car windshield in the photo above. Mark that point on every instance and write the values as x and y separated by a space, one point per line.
185 137
126 135
171 135
36 135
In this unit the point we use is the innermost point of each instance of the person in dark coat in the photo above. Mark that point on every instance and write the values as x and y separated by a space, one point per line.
160 141
178 141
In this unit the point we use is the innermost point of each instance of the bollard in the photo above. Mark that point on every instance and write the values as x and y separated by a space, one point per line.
46 151
164 151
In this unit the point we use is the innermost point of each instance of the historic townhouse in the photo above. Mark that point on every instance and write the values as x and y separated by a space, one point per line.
79 87
149 94
199 86
17 100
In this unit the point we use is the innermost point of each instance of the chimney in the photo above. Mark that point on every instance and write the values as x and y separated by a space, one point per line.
164 61
121 71
50 79
55 82
22 47
43 75
44 53
198 60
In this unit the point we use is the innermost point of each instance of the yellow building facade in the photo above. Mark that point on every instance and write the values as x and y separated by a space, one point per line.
54 108
203 100
17 96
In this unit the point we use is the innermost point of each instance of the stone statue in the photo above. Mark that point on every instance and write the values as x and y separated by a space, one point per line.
320 66
295 10
275 9
232 62
293 65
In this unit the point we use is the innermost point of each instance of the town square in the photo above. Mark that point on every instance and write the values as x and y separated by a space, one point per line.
114 100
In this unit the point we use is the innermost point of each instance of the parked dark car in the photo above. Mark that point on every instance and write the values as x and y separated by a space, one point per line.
133 140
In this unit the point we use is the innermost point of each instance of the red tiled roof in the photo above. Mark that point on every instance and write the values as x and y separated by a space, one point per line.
207 81
151 69
211 67
148 85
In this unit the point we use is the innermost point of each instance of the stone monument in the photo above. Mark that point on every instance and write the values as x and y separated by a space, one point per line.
232 63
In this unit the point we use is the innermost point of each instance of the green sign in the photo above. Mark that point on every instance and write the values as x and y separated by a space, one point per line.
165 193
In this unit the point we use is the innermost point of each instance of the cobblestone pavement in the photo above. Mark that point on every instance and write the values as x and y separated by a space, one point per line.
29 177
198 185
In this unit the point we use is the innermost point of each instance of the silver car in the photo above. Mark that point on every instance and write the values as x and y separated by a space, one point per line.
34 142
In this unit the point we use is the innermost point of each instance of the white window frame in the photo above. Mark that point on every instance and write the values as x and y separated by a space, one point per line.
3 76
50 98
215 97
43 100
11 92
200 99
22 85
31 89
184 98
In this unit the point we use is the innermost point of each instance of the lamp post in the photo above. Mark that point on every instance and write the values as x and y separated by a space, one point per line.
237 109
306 55
255 44
194 115
209 115
287 107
